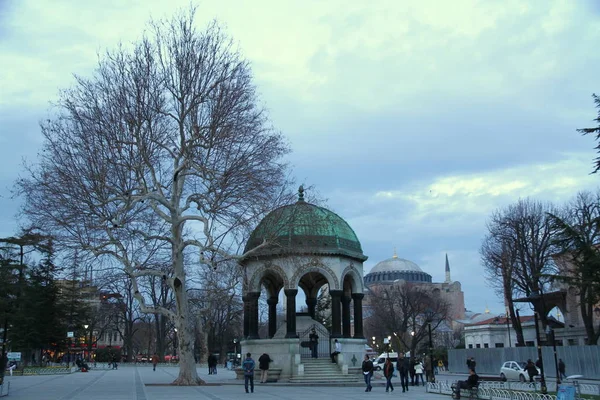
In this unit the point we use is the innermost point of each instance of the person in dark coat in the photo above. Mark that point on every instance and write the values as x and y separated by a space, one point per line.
263 365
388 372
561 368
248 367
212 364
531 369
314 343
367 370
411 371
471 382
403 366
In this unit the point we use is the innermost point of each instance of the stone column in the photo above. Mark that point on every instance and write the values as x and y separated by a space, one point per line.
346 316
311 303
336 314
253 322
290 295
246 315
272 302
358 317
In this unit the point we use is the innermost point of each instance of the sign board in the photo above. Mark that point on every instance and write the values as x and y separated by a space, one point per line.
565 392
15 356
386 341
70 334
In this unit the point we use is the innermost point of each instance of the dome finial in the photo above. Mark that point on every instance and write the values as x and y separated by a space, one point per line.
301 193
395 255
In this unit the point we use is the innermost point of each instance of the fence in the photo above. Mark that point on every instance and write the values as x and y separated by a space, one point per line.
324 346
579 360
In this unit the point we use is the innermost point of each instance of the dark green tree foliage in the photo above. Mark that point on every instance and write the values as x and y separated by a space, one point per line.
578 238
595 131
39 324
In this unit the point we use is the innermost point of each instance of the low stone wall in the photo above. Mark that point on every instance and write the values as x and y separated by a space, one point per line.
273 375
47 370
284 353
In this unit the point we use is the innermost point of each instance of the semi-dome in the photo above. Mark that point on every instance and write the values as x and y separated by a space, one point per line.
395 264
304 228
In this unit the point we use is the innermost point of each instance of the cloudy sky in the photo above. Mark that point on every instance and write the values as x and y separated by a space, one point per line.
414 119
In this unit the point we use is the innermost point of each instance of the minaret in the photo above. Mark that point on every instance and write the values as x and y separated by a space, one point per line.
395 255
448 280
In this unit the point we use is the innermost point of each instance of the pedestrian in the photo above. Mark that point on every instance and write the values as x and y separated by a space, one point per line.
212 364
154 361
440 365
411 371
531 369
419 372
403 365
388 372
473 364
314 342
337 350
114 362
471 382
263 364
561 368
367 369
248 366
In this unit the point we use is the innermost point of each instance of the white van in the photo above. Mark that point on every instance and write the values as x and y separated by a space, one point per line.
379 361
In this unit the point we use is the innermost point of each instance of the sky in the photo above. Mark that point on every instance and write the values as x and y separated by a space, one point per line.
414 119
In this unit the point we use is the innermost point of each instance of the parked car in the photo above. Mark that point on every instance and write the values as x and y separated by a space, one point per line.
378 363
515 371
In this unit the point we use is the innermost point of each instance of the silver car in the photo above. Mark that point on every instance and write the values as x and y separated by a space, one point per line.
515 371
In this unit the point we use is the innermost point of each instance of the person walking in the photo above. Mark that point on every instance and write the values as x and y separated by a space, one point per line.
403 365
367 369
248 366
388 372
531 369
411 371
263 365
561 368
314 343
419 373
154 361
337 349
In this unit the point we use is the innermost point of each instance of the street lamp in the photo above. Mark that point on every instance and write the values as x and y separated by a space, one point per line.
550 333
175 344
431 374
85 342
508 328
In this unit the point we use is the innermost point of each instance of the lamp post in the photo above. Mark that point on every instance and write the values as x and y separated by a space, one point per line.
431 374
543 387
508 328
175 344
550 333
85 342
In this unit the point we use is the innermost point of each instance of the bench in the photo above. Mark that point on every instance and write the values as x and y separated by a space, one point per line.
473 392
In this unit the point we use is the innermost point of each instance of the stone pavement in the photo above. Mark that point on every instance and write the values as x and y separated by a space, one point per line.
141 383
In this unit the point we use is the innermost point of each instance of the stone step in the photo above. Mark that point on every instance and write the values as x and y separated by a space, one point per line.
332 380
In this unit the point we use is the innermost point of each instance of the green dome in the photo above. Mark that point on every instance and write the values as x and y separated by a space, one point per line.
304 228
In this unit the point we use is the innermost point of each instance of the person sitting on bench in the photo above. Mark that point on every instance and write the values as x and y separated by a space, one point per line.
471 382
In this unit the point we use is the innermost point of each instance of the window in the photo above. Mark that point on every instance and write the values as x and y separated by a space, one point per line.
572 342
115 339
530 343
470 346
478 345
486 345
499 345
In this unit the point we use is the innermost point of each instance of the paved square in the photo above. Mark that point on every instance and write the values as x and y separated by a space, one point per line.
141 383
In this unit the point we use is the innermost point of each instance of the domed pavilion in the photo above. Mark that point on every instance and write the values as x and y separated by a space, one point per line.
302 246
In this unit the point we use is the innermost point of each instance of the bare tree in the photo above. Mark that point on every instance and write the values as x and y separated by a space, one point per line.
406 310
579 240
517 254
164 150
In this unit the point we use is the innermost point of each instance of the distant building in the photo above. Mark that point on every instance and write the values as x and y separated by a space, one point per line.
395 269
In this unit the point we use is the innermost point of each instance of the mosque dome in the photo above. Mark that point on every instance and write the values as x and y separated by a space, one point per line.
304 228
395 264
395 268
